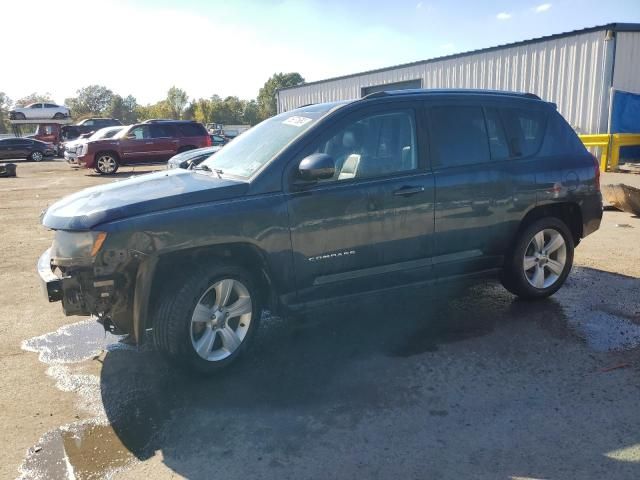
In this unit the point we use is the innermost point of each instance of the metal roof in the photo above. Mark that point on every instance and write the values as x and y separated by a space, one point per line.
616 27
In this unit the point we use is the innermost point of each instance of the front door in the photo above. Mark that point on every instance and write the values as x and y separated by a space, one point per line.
138 146
369 227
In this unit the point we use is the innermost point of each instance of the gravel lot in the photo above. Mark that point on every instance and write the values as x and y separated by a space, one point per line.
464 383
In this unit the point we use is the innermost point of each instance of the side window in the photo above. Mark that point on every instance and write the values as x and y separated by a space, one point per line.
560 138
191 130
525 129
50 105
497 137
36 105
161 131
458 136
140 133
376 145
89 123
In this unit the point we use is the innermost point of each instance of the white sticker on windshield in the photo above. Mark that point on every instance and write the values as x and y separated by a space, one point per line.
296 121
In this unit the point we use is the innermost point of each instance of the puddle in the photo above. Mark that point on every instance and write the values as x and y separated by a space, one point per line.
104 444
80 451
73 343
602 308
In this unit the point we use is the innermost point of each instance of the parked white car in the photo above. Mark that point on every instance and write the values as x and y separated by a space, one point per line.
40 111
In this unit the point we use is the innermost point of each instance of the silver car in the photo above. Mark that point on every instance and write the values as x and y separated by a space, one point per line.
40 111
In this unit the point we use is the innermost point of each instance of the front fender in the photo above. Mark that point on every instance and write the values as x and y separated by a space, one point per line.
144 280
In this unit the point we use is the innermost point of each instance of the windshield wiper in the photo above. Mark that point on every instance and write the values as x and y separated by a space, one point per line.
208 169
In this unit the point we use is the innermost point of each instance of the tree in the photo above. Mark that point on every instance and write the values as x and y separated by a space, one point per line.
157 110
94 100
5 106
177 100
251 114
267 94
203 110
34 98
124 109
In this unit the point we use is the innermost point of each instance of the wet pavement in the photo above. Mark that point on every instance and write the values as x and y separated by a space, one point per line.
463 381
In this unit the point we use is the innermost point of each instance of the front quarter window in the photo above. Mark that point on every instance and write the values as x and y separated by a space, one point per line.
252 150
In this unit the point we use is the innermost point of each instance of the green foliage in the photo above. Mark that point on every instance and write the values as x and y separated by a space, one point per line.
91 101
177 100
5 106
34 98
99 101
267 101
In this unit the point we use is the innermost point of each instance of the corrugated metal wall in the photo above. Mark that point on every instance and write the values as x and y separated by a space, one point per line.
570 71
626 74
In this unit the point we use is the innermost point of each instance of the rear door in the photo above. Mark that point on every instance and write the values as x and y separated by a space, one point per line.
481 192
370 226
164 140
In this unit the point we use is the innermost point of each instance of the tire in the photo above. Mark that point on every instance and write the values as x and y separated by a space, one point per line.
106 163
36 156
197 314
547 269
20 116
59 116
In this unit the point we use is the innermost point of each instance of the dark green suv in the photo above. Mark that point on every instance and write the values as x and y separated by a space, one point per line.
328 202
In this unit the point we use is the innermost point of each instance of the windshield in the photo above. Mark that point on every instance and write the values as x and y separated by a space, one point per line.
105 133
249 152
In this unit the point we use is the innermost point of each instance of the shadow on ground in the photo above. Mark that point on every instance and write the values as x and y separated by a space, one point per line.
460 383
469 382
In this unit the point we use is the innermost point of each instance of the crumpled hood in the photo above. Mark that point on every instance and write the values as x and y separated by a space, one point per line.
138 195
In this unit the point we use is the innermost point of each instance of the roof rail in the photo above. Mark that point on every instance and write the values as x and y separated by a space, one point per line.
417 91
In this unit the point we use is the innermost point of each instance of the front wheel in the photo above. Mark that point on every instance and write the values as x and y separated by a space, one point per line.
106 163
540 261
59 116
208 320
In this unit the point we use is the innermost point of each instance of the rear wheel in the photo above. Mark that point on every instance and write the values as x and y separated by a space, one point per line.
106 163
207 321
541 259
36 156
20 116
58 116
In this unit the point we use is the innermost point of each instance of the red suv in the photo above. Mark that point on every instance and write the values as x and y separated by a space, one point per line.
143 143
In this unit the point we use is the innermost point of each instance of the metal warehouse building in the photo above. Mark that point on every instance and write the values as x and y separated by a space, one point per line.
576 70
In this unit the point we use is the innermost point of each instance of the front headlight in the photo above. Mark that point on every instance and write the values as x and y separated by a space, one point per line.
75 248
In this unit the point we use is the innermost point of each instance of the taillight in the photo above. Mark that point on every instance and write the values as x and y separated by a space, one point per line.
597 175
208 142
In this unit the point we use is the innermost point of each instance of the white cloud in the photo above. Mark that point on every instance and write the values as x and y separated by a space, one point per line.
542 7
503 16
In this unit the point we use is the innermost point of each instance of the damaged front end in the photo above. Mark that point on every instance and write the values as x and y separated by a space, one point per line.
89 280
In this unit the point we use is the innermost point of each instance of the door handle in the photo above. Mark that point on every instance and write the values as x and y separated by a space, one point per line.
407 191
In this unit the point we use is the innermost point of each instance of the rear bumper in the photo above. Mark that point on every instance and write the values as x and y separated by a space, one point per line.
51 284
591 214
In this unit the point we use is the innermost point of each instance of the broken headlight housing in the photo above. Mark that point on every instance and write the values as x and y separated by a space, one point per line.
76 248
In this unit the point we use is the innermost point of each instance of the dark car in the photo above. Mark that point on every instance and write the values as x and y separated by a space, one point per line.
142 143
218 140
28 148
323 204
192 158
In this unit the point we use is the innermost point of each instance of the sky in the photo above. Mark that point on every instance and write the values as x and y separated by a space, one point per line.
232 47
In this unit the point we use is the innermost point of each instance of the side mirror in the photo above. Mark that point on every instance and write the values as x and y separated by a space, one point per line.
317 166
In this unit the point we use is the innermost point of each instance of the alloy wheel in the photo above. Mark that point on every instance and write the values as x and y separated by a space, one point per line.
221 319
106 164
545 258
37 156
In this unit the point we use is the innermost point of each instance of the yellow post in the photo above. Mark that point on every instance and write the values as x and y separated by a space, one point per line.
598 140
621 140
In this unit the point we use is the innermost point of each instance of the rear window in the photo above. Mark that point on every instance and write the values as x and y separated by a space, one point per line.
525 128
458 136
560 138
191 130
